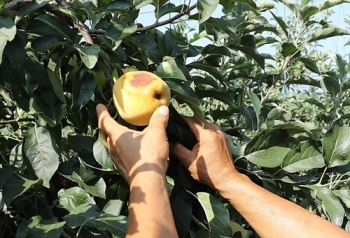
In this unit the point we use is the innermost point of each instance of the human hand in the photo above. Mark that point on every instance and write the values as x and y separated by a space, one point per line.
210 160
134 152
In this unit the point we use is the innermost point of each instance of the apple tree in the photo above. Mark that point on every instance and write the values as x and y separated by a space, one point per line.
285 113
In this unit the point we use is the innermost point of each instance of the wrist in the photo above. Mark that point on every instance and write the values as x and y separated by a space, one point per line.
145 174
232 184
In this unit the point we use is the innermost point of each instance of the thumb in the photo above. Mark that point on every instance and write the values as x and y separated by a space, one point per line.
160 117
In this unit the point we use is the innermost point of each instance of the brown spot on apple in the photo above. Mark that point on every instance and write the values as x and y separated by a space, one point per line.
140 80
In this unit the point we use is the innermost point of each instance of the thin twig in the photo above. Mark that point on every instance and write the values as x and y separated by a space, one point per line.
84 31
16 4
170 20
15 121
273 86
156 24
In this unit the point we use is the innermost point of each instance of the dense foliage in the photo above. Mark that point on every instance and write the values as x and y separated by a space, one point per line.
286 114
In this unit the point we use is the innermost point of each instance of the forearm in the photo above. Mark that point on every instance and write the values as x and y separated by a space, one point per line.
149 210
273 216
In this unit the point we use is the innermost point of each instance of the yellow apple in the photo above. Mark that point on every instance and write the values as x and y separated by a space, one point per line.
137 94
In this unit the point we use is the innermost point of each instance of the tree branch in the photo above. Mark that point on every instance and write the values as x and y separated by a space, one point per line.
16 121
84 31
273 86
157 24
16 4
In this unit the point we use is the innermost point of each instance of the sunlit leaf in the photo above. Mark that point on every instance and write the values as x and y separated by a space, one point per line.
167 70
330 204
73 197
42 152
37 227
328 32
269 158
206 9
310 64
306 157
336 145
216 214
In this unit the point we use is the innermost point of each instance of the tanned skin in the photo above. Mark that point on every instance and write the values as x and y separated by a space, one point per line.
210 163
141 158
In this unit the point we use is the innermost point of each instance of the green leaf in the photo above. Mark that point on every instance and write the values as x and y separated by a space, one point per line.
281 23
330 204
288 49
250 117
208 69
304 80
88 54
217 50
206 80
316 102
56 83
330 84
76 171
269 158
37 227
186 95
158 3
266 139
261 41
80 143
264 6
295 127
221 24
89 215
115 224
170 8
253 53
205 9
306 157
120 6
346 102
331 3
336 145
58 25
26 9
52 115
73 197
3 2
102 156
167 70
256 104
17 156
42 152
113 207
83 91
310 64
308 11
216 214
342 67
81 214
6 172
7 33
48 42
222 96
118 29
328 32
16 186
141 3
344 196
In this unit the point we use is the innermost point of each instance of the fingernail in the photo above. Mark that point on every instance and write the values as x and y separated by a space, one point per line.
164 110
